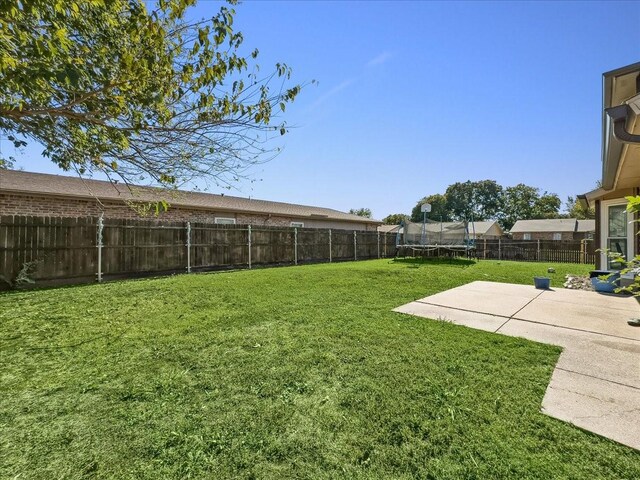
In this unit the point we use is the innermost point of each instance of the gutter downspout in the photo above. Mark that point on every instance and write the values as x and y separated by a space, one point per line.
618 116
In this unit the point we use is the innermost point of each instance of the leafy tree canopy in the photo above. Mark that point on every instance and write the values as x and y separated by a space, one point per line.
486 199
522 202
395 219
474 200
547 206
439 208
361 212
576 210
136 93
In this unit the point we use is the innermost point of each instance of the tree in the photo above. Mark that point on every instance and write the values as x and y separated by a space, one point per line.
522 202
361 212
575 209
518 202
136 93
547 206
439 209
474 200
395 219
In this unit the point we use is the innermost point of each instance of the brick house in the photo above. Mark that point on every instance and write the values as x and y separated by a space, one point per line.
28 193
553 229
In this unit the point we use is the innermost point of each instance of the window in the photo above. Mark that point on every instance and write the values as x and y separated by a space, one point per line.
225 221
557 236
526 236
617 226
297 224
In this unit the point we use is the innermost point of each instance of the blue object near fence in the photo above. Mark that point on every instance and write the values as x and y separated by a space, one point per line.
606 285
542 283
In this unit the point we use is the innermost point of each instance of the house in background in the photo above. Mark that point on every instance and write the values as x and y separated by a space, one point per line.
553 229
27 193
487 230
615 229
390 229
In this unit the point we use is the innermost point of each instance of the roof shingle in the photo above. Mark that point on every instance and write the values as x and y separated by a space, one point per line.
556 225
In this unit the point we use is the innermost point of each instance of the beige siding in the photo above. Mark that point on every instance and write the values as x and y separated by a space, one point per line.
493 232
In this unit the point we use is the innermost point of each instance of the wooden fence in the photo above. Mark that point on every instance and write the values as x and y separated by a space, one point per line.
568 251
564 251
74 250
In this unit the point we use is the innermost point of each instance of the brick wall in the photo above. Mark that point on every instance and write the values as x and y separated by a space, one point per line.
544 236
25 204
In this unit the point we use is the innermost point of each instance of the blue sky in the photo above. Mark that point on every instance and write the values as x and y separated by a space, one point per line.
415 96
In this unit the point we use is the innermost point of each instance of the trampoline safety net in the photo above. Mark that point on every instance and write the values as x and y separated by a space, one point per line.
432 234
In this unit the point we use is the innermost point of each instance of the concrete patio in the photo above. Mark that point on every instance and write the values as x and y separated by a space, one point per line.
596 383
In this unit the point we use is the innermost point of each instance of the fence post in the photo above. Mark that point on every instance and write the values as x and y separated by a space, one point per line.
499 249
330 256
385 244
355 246
188 247
99 245
378 244
249 243
538 252
295 245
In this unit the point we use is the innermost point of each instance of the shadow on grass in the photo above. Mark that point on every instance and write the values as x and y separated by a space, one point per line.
416 262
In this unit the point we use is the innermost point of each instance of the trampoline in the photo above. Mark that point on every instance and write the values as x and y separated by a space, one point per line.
432 236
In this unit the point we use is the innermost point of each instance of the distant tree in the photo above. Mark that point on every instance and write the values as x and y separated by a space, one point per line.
361 212
523 202
137 89
547 206
439 208
576 210
518 202
395 219
480 200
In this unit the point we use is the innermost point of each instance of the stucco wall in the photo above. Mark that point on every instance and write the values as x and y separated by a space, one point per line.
41 205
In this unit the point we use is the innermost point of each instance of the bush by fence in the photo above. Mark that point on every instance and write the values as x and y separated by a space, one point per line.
87 249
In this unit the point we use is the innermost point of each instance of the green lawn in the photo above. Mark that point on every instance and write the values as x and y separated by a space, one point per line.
298 372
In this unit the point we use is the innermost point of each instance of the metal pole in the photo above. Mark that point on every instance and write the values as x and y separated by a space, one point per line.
378 244
99 245
499 249
188 247
295 245
249 243
538 251
484 250
330 257
355 246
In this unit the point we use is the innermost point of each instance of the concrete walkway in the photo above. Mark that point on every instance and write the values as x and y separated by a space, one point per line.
596 383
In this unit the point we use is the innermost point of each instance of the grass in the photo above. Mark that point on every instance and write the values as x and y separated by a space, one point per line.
300 372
